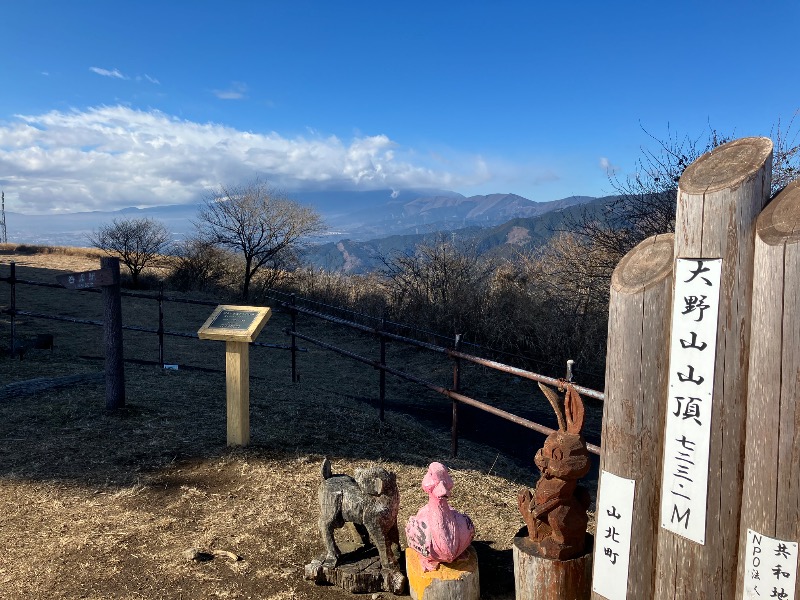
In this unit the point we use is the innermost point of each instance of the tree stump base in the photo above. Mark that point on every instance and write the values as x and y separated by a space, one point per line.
458 580
358 572
539 578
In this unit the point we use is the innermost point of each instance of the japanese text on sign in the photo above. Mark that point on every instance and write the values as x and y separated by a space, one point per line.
687 439
770 567
612 543
234 319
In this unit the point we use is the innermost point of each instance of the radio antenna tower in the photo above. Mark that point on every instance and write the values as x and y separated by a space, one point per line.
3 232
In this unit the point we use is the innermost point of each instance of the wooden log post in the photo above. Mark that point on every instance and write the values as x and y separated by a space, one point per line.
636 385
112 335
771 495
719 198
539 578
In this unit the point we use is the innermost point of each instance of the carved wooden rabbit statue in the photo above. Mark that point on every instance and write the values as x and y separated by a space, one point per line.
556 511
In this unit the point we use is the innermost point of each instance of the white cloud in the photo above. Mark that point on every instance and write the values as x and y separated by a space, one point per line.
607 166
236 91
152 79
106 73
114 156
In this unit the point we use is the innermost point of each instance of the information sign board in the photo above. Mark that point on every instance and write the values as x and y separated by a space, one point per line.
232 323
86 279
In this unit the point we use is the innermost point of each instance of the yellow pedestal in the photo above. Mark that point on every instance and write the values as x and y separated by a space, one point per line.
458 580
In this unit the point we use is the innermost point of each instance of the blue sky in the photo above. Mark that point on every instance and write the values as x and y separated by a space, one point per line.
114 103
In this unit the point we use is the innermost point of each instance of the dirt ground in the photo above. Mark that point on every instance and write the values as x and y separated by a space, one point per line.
104 505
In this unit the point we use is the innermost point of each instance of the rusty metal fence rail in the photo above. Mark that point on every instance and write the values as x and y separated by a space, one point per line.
454 353
380 331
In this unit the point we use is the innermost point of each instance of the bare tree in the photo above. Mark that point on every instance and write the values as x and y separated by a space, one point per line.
786 158
137 242
259 223
646 200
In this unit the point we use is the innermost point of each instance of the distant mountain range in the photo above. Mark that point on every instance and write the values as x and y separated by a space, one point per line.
517 234
364 225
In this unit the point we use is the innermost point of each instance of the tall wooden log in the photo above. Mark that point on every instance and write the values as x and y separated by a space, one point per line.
112 335
771 495
636 385
719 198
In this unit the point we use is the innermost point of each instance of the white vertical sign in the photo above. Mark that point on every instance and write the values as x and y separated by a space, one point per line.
612 543
687 438
770 567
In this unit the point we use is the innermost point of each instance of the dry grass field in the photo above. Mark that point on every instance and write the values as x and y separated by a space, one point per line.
100 505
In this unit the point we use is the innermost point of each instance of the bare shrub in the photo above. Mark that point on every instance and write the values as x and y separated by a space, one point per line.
439 285
137 242
202 266
359 293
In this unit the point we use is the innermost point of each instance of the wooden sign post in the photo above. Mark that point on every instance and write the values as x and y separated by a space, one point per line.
719 197
633 420
107 278
237 326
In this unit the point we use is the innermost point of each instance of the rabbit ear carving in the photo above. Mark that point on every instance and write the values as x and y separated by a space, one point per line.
573 408
552 397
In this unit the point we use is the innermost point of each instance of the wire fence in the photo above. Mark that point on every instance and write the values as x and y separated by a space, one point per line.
381 328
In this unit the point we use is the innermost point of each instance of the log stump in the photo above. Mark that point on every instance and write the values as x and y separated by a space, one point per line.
538 578
458 580
358 572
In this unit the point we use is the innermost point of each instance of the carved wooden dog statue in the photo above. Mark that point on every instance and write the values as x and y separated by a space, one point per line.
556 512
370 501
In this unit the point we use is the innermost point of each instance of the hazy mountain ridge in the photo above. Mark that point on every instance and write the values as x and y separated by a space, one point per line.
518 234
363 225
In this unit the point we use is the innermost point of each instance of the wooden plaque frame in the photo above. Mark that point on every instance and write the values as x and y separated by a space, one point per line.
207 332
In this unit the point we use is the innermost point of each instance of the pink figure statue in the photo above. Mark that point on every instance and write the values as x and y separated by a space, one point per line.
439 533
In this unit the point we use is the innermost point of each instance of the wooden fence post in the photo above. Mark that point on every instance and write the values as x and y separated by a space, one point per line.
636 386
161 326
456 388
112 334
382 376
12 311
293 313
771 495
719 198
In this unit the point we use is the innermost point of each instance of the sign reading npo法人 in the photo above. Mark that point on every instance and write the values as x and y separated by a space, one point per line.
770 569
687 437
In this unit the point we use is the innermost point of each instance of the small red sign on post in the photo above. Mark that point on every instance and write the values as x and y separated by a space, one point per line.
86 279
